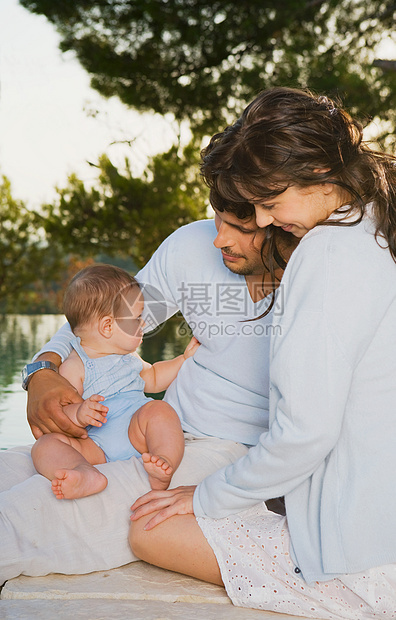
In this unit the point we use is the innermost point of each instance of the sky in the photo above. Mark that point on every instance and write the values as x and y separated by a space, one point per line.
47 130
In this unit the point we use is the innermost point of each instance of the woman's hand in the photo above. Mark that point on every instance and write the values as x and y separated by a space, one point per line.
168 503
48 392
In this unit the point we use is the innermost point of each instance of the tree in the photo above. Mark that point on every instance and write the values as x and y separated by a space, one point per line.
127 216
202 60
25 257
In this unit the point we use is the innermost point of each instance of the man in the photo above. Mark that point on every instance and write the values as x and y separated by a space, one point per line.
214 274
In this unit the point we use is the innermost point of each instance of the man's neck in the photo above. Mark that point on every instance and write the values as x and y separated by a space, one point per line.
259 288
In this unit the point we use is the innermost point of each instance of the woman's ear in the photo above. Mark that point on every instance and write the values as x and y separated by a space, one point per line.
328 188
106 325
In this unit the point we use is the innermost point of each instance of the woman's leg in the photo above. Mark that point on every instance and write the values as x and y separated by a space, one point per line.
177 544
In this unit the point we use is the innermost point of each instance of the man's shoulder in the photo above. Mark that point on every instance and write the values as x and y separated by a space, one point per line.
190 248
200 228
195 238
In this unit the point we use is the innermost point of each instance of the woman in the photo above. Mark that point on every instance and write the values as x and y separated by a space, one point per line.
331 447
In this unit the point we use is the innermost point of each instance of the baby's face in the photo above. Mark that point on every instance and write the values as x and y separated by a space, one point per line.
128 322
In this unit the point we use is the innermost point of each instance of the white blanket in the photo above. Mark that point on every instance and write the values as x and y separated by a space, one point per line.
40 534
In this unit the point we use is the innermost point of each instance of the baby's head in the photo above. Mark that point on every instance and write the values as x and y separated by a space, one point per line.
101 292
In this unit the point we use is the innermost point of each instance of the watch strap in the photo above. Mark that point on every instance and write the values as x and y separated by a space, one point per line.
33 367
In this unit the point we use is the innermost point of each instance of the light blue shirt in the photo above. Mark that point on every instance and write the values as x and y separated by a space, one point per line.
331 445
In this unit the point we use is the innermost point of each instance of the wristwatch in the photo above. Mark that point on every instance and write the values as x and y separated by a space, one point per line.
30 369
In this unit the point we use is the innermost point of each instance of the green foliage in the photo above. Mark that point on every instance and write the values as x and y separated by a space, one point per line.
121 219
123 215
202 60
25 257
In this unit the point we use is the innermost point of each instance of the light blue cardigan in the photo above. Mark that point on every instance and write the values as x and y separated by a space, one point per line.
331 446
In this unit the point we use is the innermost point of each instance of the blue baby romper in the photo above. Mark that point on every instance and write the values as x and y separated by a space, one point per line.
117 378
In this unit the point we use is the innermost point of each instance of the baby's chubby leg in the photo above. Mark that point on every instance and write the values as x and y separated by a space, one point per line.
155 431
68 463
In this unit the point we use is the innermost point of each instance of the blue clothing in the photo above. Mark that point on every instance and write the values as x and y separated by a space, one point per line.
331 445
117 378
223 391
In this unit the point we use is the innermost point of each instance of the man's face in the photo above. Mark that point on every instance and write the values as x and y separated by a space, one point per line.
240 243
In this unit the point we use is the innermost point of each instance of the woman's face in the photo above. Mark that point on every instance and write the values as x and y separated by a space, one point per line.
297 210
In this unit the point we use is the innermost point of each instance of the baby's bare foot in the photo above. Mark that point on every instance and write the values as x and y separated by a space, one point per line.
159 471
79 482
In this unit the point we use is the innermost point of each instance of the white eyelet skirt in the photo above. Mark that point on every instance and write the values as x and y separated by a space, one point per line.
252 551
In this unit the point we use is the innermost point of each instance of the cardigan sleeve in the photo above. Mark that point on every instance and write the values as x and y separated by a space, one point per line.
304 426
310 382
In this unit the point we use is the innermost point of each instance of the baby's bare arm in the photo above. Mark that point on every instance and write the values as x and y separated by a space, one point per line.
73 370
160 375
90 411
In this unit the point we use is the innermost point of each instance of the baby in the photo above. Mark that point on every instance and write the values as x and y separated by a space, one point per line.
103 305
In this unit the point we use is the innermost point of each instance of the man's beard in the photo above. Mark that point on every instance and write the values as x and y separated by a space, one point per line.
247 269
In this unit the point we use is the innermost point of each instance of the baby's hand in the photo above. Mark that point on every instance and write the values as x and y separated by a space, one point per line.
92 412
191 347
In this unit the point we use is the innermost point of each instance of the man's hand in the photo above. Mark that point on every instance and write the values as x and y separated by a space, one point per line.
177 501
48 392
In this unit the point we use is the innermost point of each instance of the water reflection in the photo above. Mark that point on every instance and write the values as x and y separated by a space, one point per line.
21 336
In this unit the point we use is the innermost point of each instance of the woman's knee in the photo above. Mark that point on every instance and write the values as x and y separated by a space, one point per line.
139 539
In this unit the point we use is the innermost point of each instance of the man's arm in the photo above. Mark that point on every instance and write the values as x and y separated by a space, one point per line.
48 393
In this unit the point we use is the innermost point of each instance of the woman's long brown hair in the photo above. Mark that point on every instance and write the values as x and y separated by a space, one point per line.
293 137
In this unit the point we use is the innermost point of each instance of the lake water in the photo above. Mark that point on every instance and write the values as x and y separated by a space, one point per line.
21 336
